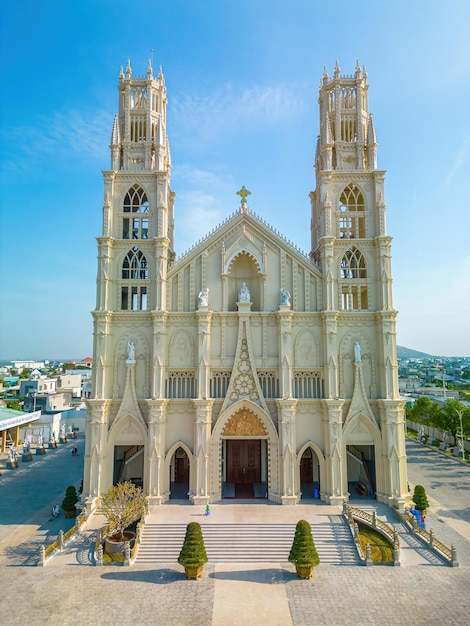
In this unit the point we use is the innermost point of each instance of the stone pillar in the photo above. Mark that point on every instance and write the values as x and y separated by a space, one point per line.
204 319
335 484
202 439
156 450
392 484
285 316
95 458
288 449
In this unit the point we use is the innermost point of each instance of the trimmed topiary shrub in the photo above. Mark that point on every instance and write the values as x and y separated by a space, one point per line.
420 499
69 501
303 553
193 553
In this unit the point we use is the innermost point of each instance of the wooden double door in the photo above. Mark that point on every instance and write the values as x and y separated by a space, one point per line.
243 461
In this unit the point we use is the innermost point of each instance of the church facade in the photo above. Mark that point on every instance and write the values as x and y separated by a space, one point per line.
245 368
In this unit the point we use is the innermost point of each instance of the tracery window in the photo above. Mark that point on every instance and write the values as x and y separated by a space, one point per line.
353 281
308 384
269 383
219 384
181 384
134 268
351 213
136 227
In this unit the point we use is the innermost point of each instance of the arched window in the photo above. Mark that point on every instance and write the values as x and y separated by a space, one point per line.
353 289
351 213
134 268
136 227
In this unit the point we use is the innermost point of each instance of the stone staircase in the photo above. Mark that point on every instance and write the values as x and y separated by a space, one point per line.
248 543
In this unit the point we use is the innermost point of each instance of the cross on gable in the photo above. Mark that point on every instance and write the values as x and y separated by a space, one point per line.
243 193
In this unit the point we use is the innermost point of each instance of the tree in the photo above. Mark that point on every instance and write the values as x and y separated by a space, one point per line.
448 418
14 404
424 409
303 552
419 498
122 504
193 553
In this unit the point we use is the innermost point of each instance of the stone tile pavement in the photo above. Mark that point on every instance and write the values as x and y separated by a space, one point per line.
70 591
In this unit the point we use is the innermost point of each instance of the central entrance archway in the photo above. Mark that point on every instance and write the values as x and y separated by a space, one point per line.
244 476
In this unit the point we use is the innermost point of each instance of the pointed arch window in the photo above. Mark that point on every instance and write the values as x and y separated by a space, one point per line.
351 213
353 286
134 268
135 201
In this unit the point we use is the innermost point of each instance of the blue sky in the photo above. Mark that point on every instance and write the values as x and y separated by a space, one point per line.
242 80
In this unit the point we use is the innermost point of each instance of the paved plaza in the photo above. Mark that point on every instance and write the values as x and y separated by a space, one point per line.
70 590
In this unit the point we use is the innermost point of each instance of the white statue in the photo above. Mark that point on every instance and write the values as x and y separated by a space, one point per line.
130 351
12 454
26 447
357 352
40 441
62 431
203 298
244 295
285 297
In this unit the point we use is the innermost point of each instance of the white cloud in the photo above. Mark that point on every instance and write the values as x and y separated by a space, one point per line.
62 135
227 109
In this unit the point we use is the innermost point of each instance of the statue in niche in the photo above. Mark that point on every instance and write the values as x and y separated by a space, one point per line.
357 352
203 298
285 297
130 351
244 295
26 447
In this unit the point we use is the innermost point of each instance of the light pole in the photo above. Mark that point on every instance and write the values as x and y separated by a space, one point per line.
459 413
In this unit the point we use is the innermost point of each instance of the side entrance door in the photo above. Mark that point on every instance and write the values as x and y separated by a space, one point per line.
243 461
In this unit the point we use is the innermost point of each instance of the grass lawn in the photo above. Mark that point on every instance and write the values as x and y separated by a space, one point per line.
381 550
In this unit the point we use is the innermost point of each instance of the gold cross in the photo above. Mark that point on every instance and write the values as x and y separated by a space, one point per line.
243 193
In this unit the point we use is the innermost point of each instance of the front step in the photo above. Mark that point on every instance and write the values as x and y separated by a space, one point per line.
248 543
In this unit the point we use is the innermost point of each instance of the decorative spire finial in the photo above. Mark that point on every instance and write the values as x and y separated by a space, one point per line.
128 69
243 193
149 68
337 70
358 69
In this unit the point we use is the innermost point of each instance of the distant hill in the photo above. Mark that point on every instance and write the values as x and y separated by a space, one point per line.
407 353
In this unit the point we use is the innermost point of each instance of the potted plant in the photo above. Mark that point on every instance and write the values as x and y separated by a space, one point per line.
420 499
303 552
122 504
69 502
193 553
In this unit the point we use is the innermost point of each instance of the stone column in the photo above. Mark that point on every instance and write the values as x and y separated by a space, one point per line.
202 440
95 471
392 485
336 479
203 316
288 450
156 450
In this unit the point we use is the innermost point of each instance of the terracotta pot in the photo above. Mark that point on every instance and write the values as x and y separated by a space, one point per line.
193 573
304 571
70 514
114 546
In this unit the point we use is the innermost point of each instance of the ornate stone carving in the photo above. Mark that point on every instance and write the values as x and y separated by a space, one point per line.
244 424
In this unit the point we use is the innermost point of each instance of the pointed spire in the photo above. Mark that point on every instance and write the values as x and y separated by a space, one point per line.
371 136
326 78
337 70
115 135
149 69
128 69
121 74
358 70
160 75
364 72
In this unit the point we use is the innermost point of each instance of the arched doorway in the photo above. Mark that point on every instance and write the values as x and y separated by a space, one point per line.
129 464
179 475
309 474
244 475
361 470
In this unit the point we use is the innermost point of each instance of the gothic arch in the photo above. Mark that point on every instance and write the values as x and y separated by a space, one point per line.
321 461
135 199
181 351
306 349
358 427
169 456
250 252
127 431
270 435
